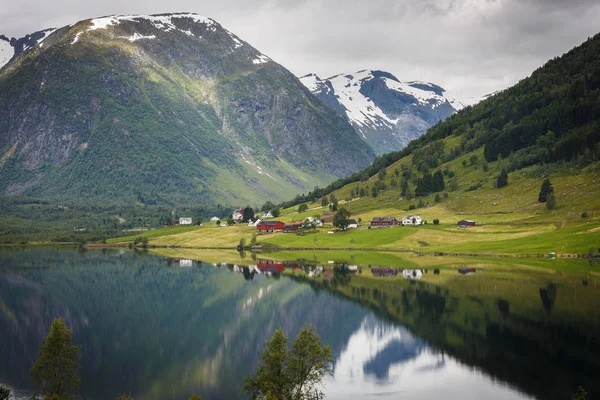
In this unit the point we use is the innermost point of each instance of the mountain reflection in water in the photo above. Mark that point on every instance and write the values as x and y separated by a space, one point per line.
163 329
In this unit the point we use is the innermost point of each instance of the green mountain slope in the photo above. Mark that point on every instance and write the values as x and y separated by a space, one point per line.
163 109
546 125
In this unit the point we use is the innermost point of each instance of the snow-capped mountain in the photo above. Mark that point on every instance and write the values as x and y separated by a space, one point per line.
386 112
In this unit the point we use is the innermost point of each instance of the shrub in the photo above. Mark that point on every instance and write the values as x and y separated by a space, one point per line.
436 271
436 221
584 214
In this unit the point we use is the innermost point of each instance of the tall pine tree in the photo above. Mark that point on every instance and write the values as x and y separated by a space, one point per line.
545 190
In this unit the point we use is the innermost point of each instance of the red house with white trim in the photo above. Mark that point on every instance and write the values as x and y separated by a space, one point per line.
270 226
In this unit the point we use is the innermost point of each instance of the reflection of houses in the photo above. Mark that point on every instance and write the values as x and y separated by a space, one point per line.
265 266
270 226
185 221
466 271
466 222
412 274
412 220
384 222
384 272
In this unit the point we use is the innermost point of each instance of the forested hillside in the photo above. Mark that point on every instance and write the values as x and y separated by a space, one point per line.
552 116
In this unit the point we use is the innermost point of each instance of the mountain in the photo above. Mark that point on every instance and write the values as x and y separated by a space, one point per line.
471 101
547 123
387 113
162 109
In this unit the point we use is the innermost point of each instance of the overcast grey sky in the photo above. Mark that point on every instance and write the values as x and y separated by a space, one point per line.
469 47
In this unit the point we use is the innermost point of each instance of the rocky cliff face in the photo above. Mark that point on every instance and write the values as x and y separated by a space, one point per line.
387 113
162 109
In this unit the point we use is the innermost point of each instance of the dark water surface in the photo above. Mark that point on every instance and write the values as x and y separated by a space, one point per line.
164 329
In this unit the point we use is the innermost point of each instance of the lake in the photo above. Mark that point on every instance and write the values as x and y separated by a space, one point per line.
164 328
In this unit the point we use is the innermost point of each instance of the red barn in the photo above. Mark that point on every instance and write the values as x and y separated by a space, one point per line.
384 222
270 226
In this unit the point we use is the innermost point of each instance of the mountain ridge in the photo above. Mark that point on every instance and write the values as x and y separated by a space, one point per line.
89 109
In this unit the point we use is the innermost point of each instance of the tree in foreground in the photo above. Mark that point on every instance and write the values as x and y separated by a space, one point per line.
55 372
291 374
4 393
341 218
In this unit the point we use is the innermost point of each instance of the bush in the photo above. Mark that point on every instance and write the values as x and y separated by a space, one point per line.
584 214
437 198
412 207
436 221
436 271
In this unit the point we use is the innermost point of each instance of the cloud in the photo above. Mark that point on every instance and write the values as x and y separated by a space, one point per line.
470 47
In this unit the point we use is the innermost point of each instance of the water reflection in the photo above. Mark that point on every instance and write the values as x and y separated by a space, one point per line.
165 328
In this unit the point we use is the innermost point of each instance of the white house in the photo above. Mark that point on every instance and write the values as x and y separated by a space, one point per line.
255 223
185 221
215 219
412 220
312 222
267 215
352 224
186 263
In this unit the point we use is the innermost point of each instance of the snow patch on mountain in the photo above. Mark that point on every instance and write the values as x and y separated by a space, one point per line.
261 59
137 36
162 22
471 101
386 112
6 52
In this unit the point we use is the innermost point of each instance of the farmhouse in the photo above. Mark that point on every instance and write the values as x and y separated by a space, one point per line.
412 220
384 222
352 224
267 215
237 215
185 221
466 222
292 227
270 226
215 219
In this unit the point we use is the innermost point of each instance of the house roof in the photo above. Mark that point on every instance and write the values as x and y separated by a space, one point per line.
352 221
384 219
271 223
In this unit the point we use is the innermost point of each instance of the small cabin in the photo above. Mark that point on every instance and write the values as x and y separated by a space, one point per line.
185 221
352 224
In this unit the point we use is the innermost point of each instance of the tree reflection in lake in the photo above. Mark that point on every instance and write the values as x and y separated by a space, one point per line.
162 329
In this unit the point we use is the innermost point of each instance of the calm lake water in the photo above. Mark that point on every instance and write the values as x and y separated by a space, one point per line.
164 329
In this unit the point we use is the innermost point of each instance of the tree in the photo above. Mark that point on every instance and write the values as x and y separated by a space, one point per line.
580 394
324 201
302 207
340 219
502 179
55 372
403 187
124 397
545 190
4 393
267 206
381 175
550 201
248 214
295 373
275 212
195 396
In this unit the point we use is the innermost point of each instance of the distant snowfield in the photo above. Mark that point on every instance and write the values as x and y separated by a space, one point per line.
162 22
6 52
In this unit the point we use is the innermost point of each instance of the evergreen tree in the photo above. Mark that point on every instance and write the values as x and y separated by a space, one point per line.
4 393
381 175
324 201
248 214
55 372
545 190
502 179
404 187
302 207
437 182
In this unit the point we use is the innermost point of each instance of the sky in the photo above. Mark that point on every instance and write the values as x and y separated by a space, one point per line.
469 47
